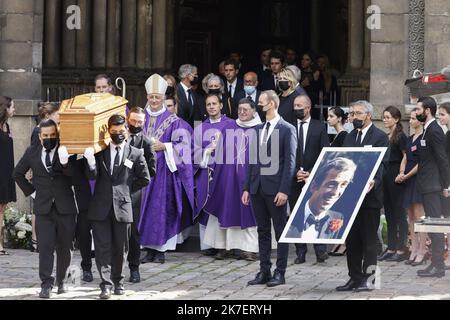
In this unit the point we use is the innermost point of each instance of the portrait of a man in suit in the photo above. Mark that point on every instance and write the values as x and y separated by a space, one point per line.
315 217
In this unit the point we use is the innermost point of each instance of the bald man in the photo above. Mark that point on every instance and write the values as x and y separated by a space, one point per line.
251 92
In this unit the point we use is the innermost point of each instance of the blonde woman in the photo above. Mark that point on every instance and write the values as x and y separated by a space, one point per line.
287 84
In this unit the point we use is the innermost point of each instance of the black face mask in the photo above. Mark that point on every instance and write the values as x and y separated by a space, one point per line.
358 124
194 82
135 130
170 92
421 117
284 85
214 91
49 144
117 138
300 114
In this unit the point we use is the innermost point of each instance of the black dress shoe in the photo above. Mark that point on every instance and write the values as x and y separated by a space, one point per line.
385 255
210 252
364 287
87 276
349 286
160 257
105 294
300 259
322 258
397 257
277 280
46 293
119 290
149 257
432 272
62 288
261 278
135 276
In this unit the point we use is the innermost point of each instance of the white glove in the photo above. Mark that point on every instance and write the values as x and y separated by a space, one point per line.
89 156
63 155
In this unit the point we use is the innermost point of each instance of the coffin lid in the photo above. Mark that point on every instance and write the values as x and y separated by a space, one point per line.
92 103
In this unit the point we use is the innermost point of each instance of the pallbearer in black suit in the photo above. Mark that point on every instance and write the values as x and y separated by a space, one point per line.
119 171
136 122
54 204
362 240
268 184
312 138
433 179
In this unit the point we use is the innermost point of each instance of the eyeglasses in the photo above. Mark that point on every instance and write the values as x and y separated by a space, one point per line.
242 110
358 113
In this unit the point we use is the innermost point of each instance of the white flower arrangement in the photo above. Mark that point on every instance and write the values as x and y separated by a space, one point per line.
18 228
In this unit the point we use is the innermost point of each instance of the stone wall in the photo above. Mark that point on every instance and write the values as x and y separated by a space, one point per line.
437 35
21 31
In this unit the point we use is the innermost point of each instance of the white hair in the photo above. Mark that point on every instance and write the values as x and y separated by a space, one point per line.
368 107
185 70
212 77
296 71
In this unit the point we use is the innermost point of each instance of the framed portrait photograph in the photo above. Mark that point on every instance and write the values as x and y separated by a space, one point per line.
333 195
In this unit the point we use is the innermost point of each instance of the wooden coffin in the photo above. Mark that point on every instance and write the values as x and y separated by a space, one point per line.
84 121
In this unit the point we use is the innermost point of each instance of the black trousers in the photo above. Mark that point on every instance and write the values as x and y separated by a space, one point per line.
267 213
302 248
84 237
396 218
55 232
111 249
362 244
433 208
134 255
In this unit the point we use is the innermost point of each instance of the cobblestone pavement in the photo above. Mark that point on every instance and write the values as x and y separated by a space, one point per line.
191 276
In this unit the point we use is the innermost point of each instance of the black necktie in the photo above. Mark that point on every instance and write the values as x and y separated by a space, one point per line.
312 221
133 137
231 91
191 102
48 162
266 133
359 139
250 98
116 161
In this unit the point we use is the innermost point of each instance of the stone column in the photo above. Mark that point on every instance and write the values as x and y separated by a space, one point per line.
113 34
52 33
159 34
69 42
128 50
83 57
21 36
144 34
170 47
367 39
356 34
99 33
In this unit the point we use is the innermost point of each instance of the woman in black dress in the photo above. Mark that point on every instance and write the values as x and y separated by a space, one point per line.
336 119
7 185
412 200
287 83
397 222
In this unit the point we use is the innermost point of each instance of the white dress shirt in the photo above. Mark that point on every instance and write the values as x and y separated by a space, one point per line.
364 132
305 130
113 152
273 124
233 87
186 89
44 154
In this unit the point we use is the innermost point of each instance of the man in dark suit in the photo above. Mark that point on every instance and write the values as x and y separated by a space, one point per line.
433 178
119 171
251 92
362 240
54 204
136 122
268 184
190 107
263 68
277 63
312 138
315 219
234 87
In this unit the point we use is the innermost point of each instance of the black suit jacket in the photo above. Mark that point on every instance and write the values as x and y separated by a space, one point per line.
268 83
186 110
115 192
81 184
262 74
230 104
281 181
51 187
433 174
377 139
